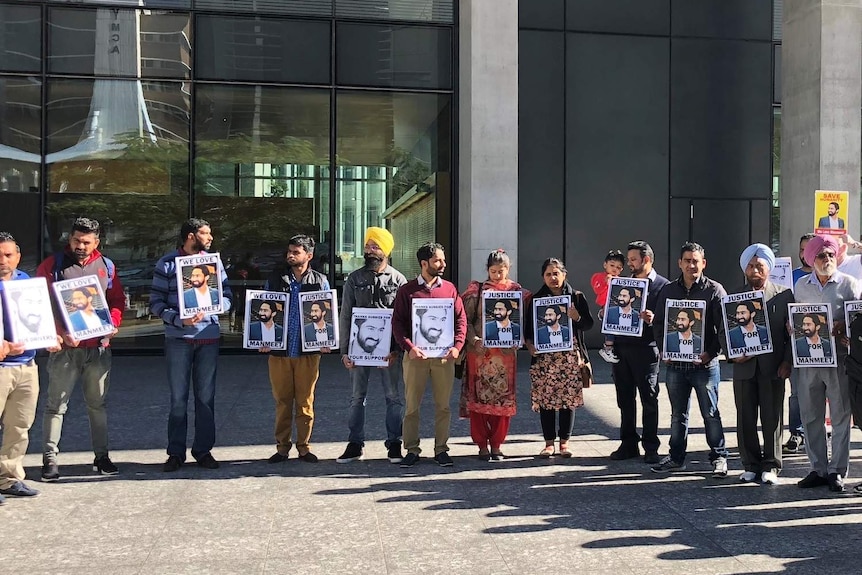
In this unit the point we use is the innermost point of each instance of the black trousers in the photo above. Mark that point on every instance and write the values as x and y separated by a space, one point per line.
637 372
763 395
549 420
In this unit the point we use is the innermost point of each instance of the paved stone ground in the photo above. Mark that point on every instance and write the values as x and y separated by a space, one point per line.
585 515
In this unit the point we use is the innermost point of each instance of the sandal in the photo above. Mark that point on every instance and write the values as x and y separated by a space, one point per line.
564 450
497 456
547 452
484 455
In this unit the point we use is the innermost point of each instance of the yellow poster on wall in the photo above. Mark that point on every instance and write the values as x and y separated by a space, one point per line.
830 212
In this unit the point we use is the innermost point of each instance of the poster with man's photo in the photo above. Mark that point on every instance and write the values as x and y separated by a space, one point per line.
199 284
503 318
265 313
813 344
434 325
626 300
831 211
851 310
84 308
746 324
782 272
319 320
553 326
684 330
31 319
370 336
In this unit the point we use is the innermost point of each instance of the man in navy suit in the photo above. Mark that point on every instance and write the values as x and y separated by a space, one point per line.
811 344
266 316
747 333
623 313
85 315
503 328
832 221
200 294
317 315
552 327
683 324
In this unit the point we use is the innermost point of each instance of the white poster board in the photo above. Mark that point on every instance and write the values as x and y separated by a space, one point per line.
782 273
433 325
265 313
552 324
813 344
502 319
84 308
626 300
746 324
319 320
199 284
31 318
370 336
684 330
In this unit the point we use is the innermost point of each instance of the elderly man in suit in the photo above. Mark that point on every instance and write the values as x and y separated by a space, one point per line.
758 381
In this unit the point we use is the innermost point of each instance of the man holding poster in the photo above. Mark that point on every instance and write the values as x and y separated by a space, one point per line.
825 285
703 374
758 380
418 367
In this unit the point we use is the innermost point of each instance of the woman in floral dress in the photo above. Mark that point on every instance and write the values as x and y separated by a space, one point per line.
488 393
555 377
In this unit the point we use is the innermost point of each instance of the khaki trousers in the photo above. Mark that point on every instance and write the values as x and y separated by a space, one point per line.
416 373
19 392
293 380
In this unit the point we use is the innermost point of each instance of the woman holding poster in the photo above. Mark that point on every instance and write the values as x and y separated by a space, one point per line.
488 390
556 376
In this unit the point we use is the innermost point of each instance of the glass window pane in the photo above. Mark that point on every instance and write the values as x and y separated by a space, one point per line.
262 50
300 7
176 4
394 56
420 10
111 42
259 155
20 38
394 155
20 120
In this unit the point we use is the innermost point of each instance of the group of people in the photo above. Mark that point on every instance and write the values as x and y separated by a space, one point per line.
488 390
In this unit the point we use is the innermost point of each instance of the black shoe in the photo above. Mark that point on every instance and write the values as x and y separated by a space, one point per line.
352 453
652 457
394 452
172 464
443 459
278 457
497 456
207 461
308 457
625 452
794 444
19 489
410 460
836 482
102 465
50 470
812 480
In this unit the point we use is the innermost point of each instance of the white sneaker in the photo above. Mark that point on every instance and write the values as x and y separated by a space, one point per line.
769 478
719 467
747 476
607 354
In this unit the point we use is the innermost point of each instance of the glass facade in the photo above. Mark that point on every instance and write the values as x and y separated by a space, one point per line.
267 118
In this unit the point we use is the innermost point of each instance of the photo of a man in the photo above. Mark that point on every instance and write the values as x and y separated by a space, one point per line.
265 328
811 344
552 332
30 305
831 220
86 316
370 333
435 329
200 294
502 329
748 333
625 313
683 339
318 329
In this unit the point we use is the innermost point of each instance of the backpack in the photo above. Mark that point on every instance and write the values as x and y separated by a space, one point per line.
58 268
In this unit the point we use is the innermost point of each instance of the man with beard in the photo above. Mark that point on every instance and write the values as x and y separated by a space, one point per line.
503 328
638 367
433 324
200 294
831 219
623 313
374 285
552 331
89 360
683 340
29 306
758 381
817 384
369 333
811 344
265 329
418 367
319 329
191 351
794 421
85 315
703 374
747 333
293 373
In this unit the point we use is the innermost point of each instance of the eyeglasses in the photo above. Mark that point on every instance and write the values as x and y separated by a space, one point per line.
826 256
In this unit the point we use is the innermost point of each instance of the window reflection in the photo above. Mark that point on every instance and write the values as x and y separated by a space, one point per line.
20 38
20 121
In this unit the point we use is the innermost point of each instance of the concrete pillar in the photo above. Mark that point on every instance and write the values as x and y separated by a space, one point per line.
821 116
488 134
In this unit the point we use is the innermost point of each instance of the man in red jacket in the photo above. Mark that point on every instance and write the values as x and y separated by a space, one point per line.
88 360
417 365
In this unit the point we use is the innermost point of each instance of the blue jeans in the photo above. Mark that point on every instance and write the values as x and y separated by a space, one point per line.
794 422
704 380
390 377
191 364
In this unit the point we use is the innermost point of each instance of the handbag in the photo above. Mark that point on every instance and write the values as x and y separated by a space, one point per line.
586 374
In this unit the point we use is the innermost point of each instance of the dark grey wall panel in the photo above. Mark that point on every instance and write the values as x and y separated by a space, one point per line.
616 147
540 152
545 14
720 118
776 81
619 16
743 19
